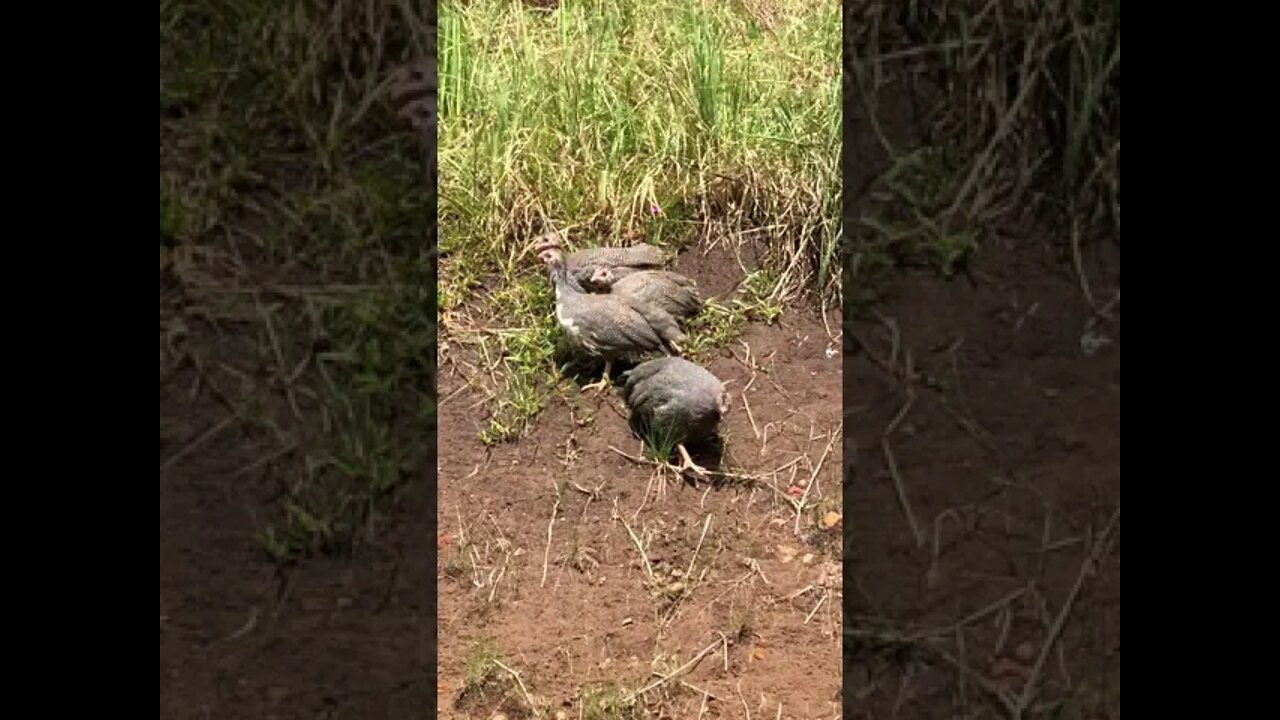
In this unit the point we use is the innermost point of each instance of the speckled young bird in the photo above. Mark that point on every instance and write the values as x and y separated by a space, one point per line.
671 291
678 398
611 327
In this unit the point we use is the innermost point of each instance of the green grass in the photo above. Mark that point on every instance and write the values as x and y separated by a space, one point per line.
609 702
673 122
1020 129
294 224
480 664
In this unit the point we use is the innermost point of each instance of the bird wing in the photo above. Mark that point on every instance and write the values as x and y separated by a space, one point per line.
615 327
658 319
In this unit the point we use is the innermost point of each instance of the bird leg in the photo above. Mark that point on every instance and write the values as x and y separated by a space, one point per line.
604 381
687 463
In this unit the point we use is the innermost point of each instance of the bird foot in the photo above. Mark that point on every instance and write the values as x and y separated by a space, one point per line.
598 386
687 463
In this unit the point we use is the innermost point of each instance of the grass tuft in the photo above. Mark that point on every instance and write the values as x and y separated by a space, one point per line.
1018 112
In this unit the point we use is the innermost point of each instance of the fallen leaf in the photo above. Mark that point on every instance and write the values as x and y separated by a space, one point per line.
830 519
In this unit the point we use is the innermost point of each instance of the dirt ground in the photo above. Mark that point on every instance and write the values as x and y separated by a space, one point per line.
729 575
1004 438
241 637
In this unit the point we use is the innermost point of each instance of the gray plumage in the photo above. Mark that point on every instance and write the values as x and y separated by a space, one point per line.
612 327
671 291
582 264
676 396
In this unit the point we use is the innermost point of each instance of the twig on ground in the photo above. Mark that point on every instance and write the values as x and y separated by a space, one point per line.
892 464
206 436
706 525
750 417
1087 567
678 671
546 555
269 457
648 568
814 611
814 475
533 707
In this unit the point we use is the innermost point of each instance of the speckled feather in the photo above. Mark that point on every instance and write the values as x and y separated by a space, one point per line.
673 391
608 326
675 293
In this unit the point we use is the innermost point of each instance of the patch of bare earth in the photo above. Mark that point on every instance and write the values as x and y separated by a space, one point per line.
243 636
697 600
984 521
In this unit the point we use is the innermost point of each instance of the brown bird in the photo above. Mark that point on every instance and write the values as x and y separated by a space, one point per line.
611 327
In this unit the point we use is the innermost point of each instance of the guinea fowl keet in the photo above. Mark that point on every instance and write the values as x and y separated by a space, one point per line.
676 399
611 327
671 291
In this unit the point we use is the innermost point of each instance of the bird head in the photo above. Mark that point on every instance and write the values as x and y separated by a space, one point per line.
545 241
551 257
603 276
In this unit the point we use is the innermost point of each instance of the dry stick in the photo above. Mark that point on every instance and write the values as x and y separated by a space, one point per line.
991 688
546 555
744 701
204 437
647 567
525 691
979 614
1103 313
893 467
814 611
1077 260
706 525
1087 567
813 476
494 588
750 417
290 447
896 340
678 671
